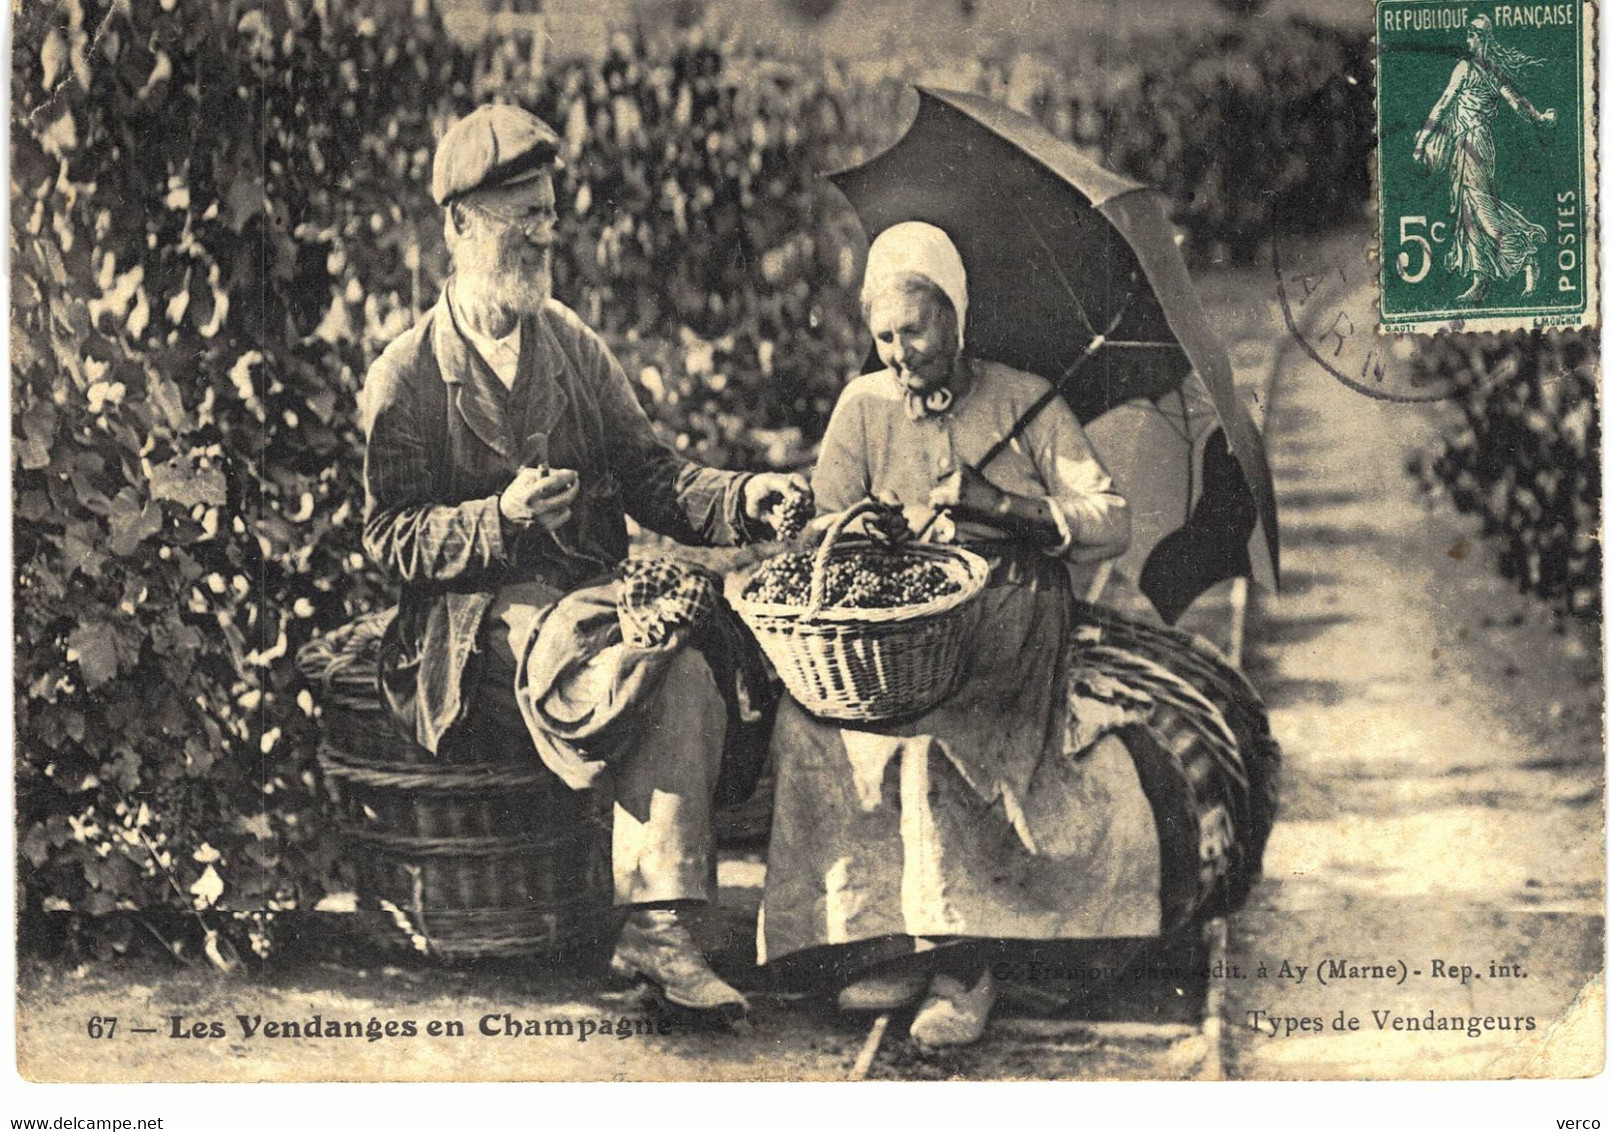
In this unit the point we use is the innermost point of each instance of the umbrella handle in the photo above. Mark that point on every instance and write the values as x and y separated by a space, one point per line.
1027 419
934 518
1035 409
1047 397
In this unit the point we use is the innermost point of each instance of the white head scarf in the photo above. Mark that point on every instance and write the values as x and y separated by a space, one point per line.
916 248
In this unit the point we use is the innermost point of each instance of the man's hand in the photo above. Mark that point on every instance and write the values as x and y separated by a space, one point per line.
541 496
766 492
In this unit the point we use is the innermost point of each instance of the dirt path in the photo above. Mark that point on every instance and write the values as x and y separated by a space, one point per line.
1443 799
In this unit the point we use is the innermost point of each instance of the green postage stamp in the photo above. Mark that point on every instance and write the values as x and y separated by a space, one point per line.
1486 131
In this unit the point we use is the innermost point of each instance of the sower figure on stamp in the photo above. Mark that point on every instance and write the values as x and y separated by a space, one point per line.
1491 238
504 449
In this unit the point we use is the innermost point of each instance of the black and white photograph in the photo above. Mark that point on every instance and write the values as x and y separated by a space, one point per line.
805 541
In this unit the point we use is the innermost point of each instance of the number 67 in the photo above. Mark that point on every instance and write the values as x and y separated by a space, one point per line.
1405 236
100 1027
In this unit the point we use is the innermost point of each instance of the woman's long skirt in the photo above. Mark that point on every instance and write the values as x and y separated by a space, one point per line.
1015 810
1490 237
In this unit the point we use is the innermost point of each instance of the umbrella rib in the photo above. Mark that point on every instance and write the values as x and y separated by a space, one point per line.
1054 392
1051 257
1181 429
1185 427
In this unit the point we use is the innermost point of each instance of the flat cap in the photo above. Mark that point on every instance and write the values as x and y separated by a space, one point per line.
492 145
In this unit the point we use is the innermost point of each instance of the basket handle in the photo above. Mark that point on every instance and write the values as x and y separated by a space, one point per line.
819 564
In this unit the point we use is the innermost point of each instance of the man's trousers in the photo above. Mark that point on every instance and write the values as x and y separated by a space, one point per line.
662 779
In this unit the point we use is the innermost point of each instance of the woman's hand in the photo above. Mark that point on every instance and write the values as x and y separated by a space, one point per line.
886 525
816 530
969 494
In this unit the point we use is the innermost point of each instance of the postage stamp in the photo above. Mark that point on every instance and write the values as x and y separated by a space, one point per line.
1486 166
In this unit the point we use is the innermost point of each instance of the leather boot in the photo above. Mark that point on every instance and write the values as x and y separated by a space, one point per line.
656 945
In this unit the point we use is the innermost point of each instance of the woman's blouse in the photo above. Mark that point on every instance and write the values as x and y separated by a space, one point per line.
874 447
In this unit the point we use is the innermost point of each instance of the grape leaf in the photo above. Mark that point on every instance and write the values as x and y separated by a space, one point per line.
182 480
131 524
36 845
97 658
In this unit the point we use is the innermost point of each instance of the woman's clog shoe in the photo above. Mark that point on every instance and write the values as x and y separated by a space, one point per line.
885 991
953 1014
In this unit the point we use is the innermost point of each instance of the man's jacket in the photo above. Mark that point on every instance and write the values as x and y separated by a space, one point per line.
445 437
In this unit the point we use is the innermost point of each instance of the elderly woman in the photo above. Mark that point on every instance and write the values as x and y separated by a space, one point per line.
897 850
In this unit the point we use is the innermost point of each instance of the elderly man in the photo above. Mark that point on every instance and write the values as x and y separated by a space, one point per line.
504 448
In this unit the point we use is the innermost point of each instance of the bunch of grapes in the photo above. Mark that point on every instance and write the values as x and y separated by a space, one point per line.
790 517
784 580
888 525
171 801
865 579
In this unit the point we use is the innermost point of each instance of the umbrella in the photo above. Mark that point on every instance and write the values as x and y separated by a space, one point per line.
1074 274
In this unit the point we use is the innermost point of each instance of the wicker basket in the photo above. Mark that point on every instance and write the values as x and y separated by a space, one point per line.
494 857
869 665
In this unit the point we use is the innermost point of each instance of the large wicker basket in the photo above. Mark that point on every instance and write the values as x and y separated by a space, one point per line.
477 852
869 665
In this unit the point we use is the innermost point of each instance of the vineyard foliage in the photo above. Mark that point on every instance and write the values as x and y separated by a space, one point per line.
1248 128
1524 453
219 217
183 472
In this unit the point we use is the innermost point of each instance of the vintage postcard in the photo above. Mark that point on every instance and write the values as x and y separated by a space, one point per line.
816 540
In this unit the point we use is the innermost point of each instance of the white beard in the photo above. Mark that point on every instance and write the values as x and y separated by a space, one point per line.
491 278
506 294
